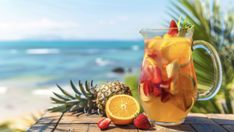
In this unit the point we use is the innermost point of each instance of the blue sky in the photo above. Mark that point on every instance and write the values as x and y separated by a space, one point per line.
79 19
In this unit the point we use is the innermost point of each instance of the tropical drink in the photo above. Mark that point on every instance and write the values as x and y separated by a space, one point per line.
168 81
168 87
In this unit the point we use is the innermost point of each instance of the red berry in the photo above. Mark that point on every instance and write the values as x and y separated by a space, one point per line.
145 74
142 122
147 87
157 76
173 30
165 96
167 82
157 91
104 123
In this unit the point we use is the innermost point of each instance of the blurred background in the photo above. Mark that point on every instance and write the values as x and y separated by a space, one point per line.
43 43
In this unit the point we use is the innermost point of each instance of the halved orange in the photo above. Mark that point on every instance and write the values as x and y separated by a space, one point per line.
122 109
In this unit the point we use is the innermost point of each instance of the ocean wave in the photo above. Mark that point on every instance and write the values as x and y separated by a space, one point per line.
48 92
135 47
42 51
102 62
93 51
13 51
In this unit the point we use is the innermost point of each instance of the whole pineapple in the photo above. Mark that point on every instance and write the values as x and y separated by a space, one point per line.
88 98
105 91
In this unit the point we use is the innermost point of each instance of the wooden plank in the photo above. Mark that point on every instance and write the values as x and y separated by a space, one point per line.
82 119
196 118
227 119
113 128
72 128
200 122
87 123
208 128
46 123
94 128
153 129
42 127
179 128
229 128
49 117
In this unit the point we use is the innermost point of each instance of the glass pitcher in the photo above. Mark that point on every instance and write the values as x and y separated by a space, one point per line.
168 84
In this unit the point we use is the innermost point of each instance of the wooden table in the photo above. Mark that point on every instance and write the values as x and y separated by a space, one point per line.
68 122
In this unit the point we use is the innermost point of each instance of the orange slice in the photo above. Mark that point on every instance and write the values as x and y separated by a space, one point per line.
155 43
122 109
177 48
153 47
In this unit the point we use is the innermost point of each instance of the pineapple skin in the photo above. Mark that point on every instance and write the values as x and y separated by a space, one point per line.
107 90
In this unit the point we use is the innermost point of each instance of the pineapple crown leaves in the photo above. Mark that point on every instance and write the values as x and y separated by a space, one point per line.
81 101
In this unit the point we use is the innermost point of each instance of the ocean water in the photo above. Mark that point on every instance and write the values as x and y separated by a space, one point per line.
51 62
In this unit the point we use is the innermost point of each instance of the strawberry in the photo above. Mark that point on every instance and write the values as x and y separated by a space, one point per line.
157 78
165 96
145 74
167 82
142 122
173 30
147 87
156 91
104 123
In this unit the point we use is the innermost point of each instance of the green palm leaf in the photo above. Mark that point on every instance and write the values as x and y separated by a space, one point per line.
209 27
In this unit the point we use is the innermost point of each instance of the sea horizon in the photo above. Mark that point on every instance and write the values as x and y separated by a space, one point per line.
54 62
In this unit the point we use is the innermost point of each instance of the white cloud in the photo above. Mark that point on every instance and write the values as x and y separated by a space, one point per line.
16 30
113 21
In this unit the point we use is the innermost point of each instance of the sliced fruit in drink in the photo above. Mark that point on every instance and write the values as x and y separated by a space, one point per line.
146 71
177 49
157 76
152 49
179 102
165 96
122 109
172 69
188 69
174 88
166 36
147 89
186 88
156 91
155 43
143 96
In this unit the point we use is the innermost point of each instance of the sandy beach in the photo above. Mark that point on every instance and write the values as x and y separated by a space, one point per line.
20 99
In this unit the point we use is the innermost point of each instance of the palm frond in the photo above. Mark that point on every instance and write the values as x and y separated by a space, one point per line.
209 26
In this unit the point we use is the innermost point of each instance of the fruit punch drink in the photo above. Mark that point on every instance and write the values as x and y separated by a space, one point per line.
168 81
168 84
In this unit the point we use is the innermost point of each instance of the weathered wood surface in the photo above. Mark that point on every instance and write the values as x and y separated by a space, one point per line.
67 122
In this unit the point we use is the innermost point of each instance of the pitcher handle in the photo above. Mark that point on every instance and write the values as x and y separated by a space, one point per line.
200 44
